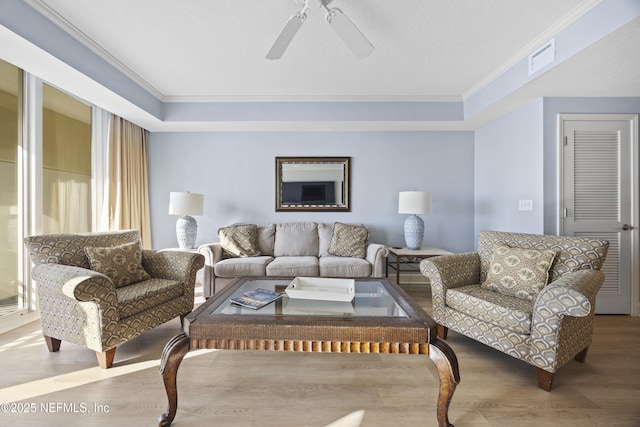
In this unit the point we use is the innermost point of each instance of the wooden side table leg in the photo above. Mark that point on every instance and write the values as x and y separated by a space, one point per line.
172 356
447 364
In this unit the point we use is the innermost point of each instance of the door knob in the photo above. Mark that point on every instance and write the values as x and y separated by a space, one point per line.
626 227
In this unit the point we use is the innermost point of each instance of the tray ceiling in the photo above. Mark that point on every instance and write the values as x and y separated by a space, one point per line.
424 49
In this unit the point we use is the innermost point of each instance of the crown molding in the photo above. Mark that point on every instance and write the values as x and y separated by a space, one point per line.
312 126
542 38
311 98
74 32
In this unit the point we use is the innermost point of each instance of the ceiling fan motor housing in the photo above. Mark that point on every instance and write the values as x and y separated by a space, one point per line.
309 3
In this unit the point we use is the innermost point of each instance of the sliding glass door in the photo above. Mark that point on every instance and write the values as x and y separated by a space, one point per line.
12 296
45 178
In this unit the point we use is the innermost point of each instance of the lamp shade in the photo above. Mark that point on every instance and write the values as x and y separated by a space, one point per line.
185 203
414 202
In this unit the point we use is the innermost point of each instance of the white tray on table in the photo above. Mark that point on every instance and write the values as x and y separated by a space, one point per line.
321 288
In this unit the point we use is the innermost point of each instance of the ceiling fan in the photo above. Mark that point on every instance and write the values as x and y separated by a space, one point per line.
341 24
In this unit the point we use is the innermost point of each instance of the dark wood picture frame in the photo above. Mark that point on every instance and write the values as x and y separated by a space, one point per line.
315 184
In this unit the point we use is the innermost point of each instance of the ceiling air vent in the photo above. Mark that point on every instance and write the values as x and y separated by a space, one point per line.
542 56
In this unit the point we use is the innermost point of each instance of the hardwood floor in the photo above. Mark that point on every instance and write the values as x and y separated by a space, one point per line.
245 388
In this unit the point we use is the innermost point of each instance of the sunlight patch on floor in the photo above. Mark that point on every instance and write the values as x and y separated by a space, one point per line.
78 378
353 419
34 337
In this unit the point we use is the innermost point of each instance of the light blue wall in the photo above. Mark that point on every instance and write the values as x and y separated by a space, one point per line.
553 107
236 173
311 111
516 157
509 168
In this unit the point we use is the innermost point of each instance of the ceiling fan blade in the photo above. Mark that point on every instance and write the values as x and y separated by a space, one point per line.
349 33
286 35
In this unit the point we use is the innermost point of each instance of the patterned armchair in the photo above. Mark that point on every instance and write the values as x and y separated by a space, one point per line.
546 327
99 290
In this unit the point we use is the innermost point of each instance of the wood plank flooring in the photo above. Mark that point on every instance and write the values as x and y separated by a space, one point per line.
245 388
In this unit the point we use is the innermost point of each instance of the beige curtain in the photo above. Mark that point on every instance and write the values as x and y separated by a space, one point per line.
127 193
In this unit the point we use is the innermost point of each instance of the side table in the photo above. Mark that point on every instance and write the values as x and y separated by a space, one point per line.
403 260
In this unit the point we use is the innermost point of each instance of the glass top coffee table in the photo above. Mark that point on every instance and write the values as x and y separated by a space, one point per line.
381 318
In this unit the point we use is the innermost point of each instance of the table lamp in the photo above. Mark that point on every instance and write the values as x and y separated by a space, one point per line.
414 203
186 204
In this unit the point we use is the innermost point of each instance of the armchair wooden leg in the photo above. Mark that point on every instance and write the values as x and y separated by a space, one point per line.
582 356
545 379
52 343
105 359
442 331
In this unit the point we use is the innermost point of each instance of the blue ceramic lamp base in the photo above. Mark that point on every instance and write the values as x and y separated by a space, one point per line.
413 232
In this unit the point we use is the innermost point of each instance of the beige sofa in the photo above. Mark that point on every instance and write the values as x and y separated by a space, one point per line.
294 249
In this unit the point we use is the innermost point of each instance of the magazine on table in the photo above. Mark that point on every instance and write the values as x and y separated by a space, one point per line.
257 298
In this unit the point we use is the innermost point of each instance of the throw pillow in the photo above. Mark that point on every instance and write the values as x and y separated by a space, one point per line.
520 273
239 240
122 264
349 240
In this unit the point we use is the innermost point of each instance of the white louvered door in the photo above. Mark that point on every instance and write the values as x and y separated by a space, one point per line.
599 196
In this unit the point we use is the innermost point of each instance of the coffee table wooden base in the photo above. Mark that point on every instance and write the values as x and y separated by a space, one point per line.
172 355
440 353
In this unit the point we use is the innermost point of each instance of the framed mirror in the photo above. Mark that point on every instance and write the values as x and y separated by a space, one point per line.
313 184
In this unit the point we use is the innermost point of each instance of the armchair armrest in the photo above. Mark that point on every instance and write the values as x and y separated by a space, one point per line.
376 253
452 271
562 322
77 305
173 265
76 283
571 295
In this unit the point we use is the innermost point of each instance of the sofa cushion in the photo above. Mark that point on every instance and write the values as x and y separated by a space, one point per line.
349 240
239 240
293 266
296 239
266 238
505 311
122 264
517 272
325 233
236 267
335 266
141 296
